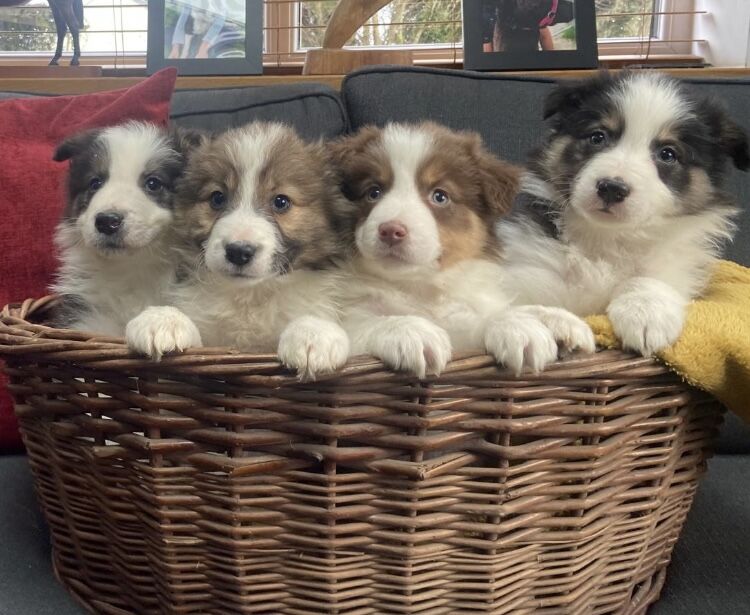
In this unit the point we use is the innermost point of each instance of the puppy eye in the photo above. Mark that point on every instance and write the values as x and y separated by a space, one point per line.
440 198
281 203
218 200
668 155
154 184
374 193
598 138
96 183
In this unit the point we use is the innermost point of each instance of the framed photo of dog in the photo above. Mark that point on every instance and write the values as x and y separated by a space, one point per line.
206 37
529 34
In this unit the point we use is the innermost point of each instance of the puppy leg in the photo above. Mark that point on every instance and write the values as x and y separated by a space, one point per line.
647 315
158 330
570 332
518 339
313 346
407 343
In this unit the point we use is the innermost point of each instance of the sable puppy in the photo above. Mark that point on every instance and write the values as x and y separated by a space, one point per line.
622 210
423 277
256 215
115 234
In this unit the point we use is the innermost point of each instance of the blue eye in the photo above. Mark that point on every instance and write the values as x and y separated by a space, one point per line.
440 198
598 138
668 155
218 200
281 203
154 184
96 183
374 193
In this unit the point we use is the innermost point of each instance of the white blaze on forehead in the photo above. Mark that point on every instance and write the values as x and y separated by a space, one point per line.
131 148
649 104
407 148
249 150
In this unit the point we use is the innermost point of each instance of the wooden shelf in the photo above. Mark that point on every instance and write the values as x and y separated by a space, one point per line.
83 85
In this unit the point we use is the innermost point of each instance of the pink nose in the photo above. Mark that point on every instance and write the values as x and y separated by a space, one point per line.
392 232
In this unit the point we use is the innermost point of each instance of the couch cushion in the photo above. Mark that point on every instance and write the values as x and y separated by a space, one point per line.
314 109
507 112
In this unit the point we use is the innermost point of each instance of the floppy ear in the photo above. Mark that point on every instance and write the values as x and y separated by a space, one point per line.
345 152
568 95
186 140
499 179
734 142
72 146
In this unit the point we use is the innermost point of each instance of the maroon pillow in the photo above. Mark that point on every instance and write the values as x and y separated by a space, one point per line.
32 196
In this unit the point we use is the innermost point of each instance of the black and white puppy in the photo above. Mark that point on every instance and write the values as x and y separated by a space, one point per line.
256 216
114 235
621 209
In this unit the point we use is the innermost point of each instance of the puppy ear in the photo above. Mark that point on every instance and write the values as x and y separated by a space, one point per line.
734 143
499 179
186 140
569 95
72 146
346 156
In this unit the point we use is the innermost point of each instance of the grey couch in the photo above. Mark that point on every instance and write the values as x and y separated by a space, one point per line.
710 571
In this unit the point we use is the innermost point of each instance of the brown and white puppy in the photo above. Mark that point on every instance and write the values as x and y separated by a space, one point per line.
424 276
256 214
115 234
622 209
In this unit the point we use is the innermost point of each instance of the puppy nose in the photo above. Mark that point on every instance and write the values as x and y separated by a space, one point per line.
392 232
108 223
240 253
612 190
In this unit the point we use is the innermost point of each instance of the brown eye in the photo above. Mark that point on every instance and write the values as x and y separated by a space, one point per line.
598 138
374 193
281 203
439 197
668 155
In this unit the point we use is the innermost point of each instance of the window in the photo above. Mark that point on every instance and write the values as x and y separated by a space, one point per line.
115 32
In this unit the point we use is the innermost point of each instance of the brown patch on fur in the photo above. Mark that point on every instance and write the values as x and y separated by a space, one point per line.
301 171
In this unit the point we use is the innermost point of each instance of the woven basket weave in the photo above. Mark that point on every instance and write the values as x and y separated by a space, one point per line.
214 482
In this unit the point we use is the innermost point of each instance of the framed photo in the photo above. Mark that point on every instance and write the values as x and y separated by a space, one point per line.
206 37
529 34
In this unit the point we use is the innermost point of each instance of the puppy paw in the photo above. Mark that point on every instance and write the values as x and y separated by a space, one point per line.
570 332
646 325
518 340
313 346
412 344
159 330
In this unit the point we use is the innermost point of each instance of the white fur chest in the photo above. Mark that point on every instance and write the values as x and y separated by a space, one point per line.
252 317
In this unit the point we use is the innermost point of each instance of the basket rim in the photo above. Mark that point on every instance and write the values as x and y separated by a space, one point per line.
23 339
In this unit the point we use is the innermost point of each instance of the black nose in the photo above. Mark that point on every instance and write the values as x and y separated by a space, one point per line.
240 253
108 223
612 190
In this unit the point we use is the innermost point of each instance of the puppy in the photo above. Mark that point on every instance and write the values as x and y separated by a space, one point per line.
423 277
256 215
114 235
622 210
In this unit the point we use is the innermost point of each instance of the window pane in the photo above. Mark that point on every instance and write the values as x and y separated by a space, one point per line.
625 18
402 22
109 28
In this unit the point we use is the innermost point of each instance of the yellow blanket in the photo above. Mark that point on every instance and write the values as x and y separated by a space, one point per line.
713 352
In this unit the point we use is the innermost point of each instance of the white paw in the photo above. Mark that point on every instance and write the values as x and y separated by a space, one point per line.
412 344
517 340
159 330
570 332
646 324
313 346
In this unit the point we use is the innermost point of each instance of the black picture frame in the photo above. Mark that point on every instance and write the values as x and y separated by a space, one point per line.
250 64
583 57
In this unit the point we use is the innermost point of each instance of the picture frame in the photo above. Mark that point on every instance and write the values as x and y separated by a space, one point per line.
520 42
206 37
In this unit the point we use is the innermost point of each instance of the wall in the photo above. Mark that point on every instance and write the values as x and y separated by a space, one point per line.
726 30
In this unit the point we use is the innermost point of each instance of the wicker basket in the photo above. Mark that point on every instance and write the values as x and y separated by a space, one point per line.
214 482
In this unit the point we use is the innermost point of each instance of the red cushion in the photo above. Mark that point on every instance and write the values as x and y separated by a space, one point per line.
32 192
